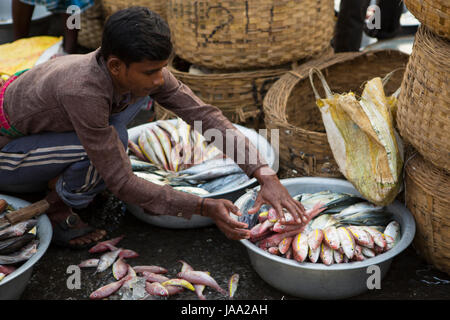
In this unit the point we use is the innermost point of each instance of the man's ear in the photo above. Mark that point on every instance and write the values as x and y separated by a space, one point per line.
114 65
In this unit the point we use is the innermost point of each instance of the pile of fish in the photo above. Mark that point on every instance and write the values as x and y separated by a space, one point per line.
18 242
340 228
147 282
179 156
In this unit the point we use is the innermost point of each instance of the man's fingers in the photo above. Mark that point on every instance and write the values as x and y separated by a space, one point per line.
280 214
233 233
230 205
294 211
226 218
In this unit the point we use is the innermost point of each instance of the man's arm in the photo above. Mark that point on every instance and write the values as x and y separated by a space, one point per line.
177 97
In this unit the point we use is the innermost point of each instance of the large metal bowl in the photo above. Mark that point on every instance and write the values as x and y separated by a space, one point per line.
13 285
231 194
318 281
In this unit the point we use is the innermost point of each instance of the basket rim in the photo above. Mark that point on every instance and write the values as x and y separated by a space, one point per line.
301 73
227 75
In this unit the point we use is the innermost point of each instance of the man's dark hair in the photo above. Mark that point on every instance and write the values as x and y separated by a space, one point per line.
136 34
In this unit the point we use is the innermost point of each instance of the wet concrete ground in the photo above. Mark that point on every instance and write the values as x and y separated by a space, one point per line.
208 249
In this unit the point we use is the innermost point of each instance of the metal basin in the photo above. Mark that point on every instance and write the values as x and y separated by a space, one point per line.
231 194
318 281
13 285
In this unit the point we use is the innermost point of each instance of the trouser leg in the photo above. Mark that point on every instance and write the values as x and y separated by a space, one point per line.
349 26
42 157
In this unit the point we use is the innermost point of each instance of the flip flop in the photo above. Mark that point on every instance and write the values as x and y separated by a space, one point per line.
70 228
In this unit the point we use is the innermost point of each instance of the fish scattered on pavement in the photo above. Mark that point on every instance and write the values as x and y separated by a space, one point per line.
89 263
104 245
233 284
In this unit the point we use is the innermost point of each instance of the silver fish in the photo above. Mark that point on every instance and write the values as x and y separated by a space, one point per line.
26 253
107 259
225 183
18 229
13 244
193 190
358 208
393 230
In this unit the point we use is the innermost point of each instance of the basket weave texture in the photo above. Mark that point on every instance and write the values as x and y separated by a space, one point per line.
238 95
232 34
423 116
290 105
426 195
92 21
435 14
111 6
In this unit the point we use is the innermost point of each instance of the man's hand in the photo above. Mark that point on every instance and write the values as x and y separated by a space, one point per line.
275 194
219 211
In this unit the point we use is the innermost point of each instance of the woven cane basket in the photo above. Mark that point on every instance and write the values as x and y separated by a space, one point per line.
427 197
290 107
111 6
92 21
434 14
423 116
238 95
246 34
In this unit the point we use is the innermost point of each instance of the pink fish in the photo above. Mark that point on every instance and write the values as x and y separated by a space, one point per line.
103 246
390 242
300 247
128 254
377 236
362 237
136 150
272 215
7 269
179 282
119 269
367 252
154 277
358 254
347 242
198 287
313 254
232 284
331 238
280 228
153 269
107 290
275 240
289 253
326 254
199 277
274 251
89 263
130 278
263 216
378 249
338 256
262 236
285 244
315 238
156 289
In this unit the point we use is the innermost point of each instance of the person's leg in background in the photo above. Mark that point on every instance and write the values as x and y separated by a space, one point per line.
70 43
21 14
390 12
350 24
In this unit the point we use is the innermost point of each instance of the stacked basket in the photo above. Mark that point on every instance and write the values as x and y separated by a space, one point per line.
92 21
242 47
423 119
111 6
290 105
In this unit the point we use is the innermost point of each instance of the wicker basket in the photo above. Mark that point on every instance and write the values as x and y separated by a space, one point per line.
435 14
290 105
247 34
111 6
423 115
92 21
427 197
239 95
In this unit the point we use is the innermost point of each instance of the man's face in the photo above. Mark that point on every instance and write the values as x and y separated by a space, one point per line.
139 78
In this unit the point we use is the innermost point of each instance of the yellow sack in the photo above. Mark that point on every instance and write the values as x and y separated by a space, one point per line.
362 138
23 53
